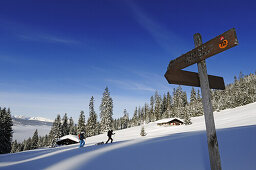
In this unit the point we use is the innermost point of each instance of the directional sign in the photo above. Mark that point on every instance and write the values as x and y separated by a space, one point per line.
214 46
192 79
175 75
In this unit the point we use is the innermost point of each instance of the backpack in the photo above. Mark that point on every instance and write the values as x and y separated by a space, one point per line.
110 133
81 136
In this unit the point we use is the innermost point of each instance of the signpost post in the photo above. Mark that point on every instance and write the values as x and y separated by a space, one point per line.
175 75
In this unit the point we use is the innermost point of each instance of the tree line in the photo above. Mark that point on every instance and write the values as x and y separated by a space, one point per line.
5 130
241 92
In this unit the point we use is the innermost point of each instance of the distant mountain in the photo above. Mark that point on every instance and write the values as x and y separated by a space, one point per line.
42 119
33 121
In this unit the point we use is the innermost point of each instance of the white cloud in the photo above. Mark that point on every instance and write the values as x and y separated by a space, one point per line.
167 39
33 33
130 85
142 80
47 38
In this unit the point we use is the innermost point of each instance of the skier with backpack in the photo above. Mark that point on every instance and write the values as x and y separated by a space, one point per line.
81 137
110 133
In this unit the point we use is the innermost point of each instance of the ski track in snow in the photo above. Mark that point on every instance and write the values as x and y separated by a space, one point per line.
35 158
83 159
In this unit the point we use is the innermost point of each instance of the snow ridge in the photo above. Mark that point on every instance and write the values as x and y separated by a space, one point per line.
42 119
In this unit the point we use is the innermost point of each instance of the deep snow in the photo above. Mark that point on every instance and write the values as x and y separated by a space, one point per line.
181 147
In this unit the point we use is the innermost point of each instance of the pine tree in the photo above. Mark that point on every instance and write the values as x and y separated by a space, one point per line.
28 144
139 116
106 111
72 129
41 142
168 112
56 131
14 147
187 119
98 128
152 117
164 107
142 114
34 141
81 123
20 147
199 105
135 118
65 127
92 120
193 96
142 131
147 113
158 109
46 141
5 131
176 102
193 102
124 120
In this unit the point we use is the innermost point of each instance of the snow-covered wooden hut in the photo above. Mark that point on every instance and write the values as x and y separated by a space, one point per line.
170 122
68 140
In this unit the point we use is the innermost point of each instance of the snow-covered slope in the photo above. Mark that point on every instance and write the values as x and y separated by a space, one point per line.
180 148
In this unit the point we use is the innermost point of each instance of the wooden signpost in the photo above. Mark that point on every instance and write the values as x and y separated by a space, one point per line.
175 75
203 51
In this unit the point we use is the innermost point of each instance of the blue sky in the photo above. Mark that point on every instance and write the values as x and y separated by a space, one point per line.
55 55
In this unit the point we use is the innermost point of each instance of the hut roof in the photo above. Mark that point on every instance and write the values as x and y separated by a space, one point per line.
168 120
68 139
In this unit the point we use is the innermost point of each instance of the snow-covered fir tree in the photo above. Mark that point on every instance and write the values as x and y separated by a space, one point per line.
40 141
239 93
92 120
168 107
45 141
164 107
178 102
146 113
158 106
35 140
142 131
125 120
65 127
199 104
28 144
14 147
5 131
72 128
152 117
187 119
106 111
56 131
81 123
193 102
135 118
139 115
142 113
